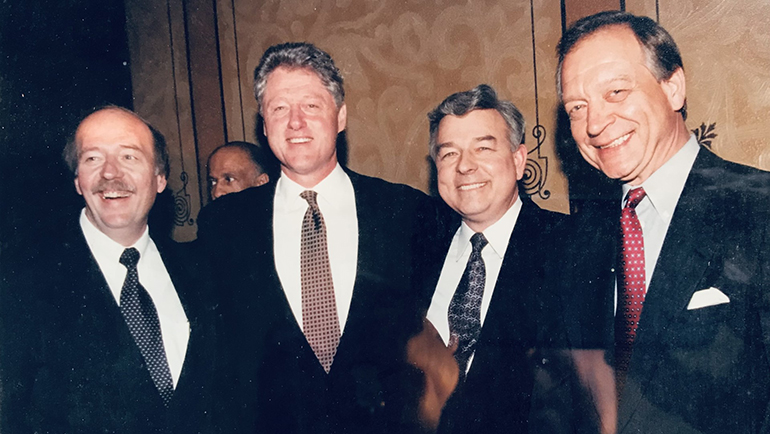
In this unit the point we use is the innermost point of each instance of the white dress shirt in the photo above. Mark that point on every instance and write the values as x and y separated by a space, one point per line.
498 235
174 327
337 202
663 189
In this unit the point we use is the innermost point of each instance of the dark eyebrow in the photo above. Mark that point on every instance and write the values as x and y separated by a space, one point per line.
486 138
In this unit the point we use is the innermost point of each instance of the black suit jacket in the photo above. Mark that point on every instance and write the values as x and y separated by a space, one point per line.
519 380
704 370
69 361
283 388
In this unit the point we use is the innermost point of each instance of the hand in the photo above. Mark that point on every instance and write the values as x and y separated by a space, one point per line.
427 352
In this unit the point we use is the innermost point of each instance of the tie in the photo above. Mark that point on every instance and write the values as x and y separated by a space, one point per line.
142 319
631 284
319 307
465 307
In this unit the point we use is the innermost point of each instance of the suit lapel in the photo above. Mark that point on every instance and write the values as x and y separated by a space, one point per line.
684 258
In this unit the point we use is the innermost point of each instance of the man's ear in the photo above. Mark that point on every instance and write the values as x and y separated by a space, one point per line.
675 89
77 186
520 160
262 179
342 118
161 183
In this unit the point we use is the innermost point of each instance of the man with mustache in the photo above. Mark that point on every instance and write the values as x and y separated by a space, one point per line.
111 333
681 297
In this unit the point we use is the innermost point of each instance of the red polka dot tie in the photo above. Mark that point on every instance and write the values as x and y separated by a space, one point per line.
142 320
631 284
319 307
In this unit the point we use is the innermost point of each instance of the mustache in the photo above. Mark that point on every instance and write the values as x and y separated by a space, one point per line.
112 185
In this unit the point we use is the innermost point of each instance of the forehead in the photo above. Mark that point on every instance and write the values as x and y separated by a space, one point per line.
602 53
112 128
230 156
285 81
474 124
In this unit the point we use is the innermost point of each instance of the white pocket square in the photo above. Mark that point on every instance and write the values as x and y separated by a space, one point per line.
706 298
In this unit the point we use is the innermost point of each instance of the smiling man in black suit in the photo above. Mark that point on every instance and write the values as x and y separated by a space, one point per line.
106 328
683 253
495 297
317 267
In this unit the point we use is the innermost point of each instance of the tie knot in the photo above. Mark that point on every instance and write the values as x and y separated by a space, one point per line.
310 197
634 197
130 257
478 242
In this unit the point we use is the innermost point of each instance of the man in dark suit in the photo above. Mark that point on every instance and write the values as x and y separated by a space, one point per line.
495 298
317 268
106 328
689 269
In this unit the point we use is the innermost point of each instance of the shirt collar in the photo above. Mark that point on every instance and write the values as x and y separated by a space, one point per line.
105 247
665 185
329 189
498 234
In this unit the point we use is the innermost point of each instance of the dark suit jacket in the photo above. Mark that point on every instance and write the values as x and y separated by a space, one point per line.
520 340
283 388
69 361
704 370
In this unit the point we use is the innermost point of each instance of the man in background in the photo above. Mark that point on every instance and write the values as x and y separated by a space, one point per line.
236 166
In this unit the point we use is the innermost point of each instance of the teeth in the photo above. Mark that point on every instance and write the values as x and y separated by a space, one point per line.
299 140
472 186
114 194
616 142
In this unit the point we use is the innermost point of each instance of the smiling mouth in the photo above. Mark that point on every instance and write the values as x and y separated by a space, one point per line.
299 140
474 186
617 142
115 194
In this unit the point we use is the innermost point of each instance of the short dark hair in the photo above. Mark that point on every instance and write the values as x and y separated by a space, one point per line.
71 152
299 55
256 154
481 97
662 53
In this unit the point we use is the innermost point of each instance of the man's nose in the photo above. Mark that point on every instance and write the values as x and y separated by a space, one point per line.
598 117
296 118
111 169
466 162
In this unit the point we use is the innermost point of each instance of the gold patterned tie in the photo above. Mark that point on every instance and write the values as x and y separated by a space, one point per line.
320 322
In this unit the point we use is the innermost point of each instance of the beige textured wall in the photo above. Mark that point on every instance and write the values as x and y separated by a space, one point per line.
725 46
399 60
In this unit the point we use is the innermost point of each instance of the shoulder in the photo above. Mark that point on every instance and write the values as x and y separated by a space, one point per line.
235 209
363 184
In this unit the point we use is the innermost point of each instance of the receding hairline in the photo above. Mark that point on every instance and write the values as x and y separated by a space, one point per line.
117 110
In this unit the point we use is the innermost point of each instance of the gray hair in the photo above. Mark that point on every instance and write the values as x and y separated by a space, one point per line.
71 152
481 97
299 55
661 52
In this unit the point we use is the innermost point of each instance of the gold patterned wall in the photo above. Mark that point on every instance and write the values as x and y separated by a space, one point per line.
399 60
192 67
725 46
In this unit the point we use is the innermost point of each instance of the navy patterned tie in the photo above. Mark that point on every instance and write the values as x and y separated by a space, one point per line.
465 307
320 322
142 319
